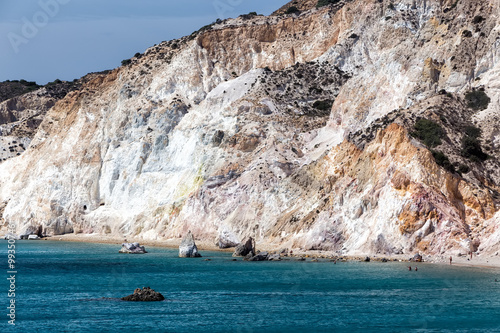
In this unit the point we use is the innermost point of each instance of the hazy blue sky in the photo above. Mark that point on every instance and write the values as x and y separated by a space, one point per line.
44 40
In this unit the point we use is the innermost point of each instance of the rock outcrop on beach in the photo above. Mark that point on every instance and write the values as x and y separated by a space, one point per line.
417 258
145 294
244 249
360 127
188 248
133 248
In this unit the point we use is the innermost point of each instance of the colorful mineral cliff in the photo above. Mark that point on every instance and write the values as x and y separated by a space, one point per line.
362 127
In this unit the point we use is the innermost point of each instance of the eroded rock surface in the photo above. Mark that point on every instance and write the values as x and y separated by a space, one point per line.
298 130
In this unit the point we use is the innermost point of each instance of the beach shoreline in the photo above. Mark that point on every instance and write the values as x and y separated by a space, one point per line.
478 261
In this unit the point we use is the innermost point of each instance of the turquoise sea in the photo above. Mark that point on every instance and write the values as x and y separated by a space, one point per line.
75 287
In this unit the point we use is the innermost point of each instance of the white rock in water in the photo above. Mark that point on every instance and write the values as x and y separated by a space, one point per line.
188 248
134 248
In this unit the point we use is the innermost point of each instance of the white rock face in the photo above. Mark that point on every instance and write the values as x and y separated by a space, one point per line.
226 238
196 135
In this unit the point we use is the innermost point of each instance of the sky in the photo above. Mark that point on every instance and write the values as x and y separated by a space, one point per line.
44 40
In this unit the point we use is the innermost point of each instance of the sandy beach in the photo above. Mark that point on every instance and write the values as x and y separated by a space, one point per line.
481 260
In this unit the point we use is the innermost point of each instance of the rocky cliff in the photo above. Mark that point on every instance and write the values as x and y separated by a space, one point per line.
23 106
362 126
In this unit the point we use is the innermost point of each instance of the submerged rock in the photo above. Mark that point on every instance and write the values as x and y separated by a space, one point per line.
245 248
134 248
145 294
188 248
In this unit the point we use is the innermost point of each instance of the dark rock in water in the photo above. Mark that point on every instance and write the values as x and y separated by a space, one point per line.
145 294
244 249
259 257
274 257
188 248
367 259
417 258
134 248
384 260
301 259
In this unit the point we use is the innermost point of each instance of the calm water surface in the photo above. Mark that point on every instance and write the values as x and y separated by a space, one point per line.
75 287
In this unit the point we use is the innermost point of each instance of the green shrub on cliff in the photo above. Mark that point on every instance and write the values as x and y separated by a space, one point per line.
462 168
325 105
477 99
471 147
442 160
477 19
473 132
429 132
322 3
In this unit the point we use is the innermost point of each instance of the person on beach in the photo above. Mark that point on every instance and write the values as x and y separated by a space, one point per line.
450 260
